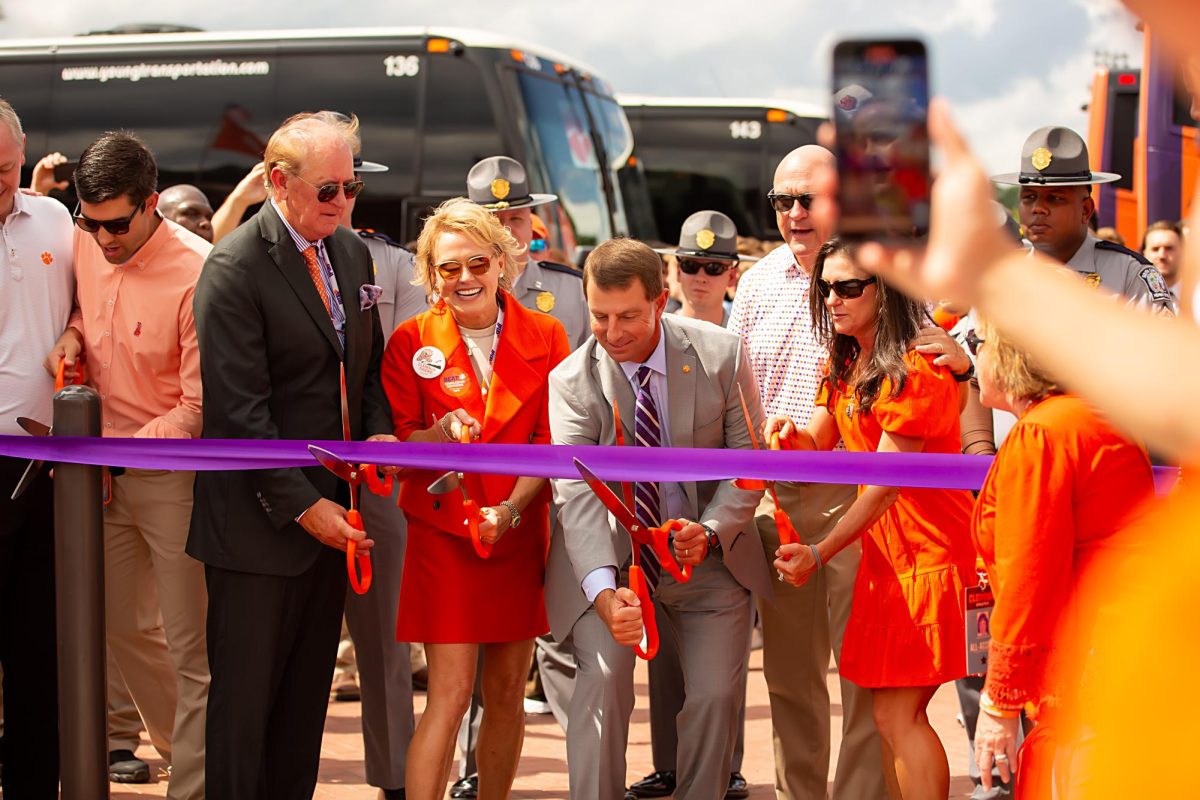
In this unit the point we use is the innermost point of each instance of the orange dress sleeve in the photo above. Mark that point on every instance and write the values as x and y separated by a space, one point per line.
1034 540
926 407
400 383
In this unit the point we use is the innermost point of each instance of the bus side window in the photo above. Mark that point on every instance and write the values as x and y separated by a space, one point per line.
460 128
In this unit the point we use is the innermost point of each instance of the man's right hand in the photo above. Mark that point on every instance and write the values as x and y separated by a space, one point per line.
326 522
42 180
67 349
621 611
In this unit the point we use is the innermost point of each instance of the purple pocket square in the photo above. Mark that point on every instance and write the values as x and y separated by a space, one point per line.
368 295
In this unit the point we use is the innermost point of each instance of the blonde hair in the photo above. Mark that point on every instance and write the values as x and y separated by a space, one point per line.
10 120
460 215
1010 369
290 145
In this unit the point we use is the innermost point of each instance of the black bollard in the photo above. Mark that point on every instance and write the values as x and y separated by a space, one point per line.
79 563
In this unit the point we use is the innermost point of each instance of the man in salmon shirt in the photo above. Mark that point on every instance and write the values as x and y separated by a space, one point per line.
136 273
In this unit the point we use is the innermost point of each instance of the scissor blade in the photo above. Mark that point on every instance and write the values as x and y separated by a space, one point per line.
746 416
450 482
31 472
345 404
609 498
33 427
337 466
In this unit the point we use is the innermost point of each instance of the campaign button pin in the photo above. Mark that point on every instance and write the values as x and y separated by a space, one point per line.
455 382
429 362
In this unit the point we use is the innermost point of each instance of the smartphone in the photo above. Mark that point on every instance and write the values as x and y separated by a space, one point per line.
65 171
880 110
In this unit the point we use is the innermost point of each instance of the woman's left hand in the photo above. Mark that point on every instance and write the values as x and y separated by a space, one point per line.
387 469
795 563
996 740
493 522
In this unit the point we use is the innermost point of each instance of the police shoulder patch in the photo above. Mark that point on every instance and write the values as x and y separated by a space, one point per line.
1155 283
554 266
1101 244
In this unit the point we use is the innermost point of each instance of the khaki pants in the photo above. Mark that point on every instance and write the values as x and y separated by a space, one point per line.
145 530
799 631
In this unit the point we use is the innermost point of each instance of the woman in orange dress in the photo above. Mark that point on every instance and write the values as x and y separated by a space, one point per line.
479 362
906 634
1064 485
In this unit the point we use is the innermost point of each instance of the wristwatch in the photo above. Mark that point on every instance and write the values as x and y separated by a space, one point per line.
965 376
711 539
512 512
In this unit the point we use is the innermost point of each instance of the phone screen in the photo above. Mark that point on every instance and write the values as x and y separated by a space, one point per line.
880 106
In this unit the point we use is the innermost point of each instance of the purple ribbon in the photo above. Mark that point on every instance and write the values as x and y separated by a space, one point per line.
918 470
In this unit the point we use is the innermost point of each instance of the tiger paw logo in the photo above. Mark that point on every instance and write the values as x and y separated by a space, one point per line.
47 258
138 330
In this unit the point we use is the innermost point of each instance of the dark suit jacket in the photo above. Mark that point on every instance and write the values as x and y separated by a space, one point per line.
269 364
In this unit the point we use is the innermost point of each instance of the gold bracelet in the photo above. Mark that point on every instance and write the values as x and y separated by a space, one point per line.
991 709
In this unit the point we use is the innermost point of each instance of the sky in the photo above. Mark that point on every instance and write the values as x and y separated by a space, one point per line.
1008 67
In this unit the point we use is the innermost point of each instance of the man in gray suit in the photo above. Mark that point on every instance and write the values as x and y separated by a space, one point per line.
681 377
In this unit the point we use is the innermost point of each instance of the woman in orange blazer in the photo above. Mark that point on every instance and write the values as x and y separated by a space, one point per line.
476 361
1064 486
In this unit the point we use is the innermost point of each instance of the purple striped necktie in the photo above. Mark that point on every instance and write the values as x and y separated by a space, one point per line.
648 433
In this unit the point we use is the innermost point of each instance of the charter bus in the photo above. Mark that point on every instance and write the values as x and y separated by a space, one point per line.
1140 126
432 102
716 153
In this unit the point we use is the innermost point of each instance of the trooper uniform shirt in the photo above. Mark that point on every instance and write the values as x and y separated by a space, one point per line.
557 290
1123 272
394 272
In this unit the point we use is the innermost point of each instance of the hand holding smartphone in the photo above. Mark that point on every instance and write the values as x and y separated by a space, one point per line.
880 108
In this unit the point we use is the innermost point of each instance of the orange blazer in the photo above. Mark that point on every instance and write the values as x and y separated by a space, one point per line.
515 410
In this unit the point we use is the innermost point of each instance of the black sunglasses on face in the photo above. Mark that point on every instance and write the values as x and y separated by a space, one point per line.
328 191
974 343
847 290
782 203
117 227
715 269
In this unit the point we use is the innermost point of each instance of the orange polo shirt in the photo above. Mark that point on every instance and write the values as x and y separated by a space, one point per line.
139 334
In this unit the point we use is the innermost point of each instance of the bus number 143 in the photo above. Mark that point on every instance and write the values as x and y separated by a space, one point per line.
745 129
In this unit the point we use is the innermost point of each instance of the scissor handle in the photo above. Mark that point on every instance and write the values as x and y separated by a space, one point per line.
464 435
787 531
363 559
482 549
60 377
779 442
637 582
376 485
666 553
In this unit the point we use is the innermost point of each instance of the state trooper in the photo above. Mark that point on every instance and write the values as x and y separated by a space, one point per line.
500 185
1055 207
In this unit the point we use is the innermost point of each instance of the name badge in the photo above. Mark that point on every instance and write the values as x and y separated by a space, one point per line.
979 604
428 362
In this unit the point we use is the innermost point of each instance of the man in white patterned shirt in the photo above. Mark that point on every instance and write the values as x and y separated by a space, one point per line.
771 313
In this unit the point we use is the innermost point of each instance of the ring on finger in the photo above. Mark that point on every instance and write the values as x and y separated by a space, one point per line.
1001 758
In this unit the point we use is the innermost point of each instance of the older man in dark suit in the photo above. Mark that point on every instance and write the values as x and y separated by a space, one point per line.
278 312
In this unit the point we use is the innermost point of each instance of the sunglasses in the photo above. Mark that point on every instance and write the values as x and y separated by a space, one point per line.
974 343
782 203
328 191
452 270
117 227
847 290
714 269
537 245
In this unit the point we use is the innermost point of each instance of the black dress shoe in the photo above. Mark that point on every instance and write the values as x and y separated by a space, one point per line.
392 794
738 788
467 787
125 767
656 784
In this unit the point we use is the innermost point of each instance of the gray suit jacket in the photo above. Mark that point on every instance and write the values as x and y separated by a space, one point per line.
705 365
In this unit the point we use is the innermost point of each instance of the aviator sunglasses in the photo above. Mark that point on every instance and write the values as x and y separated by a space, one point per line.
714 269
117 227
782 203
452 270
974 343
847 290
328 191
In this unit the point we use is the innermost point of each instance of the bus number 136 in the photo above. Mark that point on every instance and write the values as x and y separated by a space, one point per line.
401 66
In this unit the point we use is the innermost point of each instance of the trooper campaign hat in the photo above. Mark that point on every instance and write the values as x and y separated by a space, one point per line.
707 236
1055 156
368 166
499 183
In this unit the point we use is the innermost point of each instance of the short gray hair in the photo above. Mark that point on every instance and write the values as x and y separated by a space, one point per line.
10 120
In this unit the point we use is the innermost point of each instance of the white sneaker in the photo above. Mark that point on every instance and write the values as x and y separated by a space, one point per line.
533 706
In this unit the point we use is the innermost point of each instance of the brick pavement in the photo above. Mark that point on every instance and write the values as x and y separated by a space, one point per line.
543 771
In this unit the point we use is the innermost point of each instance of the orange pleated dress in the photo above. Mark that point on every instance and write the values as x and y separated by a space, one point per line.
906 625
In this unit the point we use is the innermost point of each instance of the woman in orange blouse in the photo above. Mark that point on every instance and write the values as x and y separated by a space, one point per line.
476 361
1063 486
906 634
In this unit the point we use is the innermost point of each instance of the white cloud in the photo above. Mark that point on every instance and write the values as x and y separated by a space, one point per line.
936 17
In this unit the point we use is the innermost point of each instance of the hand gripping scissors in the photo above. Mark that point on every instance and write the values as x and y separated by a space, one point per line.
454 480
658 538
35 428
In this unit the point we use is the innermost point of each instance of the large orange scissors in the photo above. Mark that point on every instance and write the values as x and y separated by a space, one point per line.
783 523
453 480
658 538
